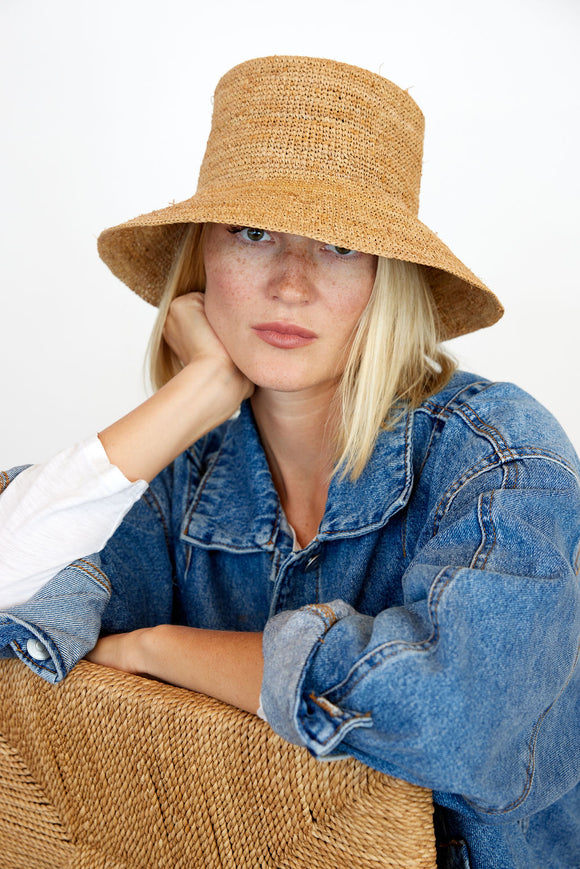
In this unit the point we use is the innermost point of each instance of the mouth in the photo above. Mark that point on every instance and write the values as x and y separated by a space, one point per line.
286 336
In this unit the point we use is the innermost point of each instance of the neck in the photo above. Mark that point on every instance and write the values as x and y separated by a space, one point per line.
296 432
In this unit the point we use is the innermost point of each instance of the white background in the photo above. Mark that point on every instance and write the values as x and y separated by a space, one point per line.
105 108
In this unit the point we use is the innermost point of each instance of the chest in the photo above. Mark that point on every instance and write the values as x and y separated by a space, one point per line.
224 589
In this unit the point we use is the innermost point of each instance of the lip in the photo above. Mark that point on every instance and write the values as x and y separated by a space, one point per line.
286 336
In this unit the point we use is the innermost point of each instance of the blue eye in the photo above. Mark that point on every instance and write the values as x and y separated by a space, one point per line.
342 251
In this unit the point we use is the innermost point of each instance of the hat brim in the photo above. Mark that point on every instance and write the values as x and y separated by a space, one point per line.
141 251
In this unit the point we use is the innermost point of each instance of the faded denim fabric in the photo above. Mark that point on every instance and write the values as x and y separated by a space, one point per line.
430 629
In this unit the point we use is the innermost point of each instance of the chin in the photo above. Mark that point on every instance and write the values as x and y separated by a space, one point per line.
284 384
290 375
290 382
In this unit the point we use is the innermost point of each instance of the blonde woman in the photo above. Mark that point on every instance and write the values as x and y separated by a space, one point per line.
378 553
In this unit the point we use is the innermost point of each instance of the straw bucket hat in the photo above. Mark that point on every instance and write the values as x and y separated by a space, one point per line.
315 148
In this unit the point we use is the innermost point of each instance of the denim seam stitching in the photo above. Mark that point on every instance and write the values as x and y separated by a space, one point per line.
505 448
152 500
325 613
442 413
428 645
481 522
105 582
493 528
204 481
4 481
482 465
393 647
435 435
359 718
530 769
486 425
486 464
223 547
454 403
396 505
484 533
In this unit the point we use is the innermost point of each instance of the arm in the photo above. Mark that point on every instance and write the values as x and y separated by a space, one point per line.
64 615
58 511
223 664
126 585
204 394
470 687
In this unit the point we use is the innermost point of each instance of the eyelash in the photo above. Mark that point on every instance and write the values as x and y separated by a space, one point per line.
234 230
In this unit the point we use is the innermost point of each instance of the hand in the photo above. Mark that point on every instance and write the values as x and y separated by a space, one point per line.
188 332
189 335
205 393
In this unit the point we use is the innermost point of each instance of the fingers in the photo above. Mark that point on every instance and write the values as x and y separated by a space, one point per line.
189 334
187 330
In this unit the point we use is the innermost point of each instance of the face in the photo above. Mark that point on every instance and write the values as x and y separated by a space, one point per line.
284 306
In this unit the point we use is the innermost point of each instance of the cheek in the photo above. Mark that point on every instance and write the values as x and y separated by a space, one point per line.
216 310
227 305
351 308
352 295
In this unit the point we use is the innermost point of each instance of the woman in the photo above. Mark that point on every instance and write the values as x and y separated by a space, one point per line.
378 550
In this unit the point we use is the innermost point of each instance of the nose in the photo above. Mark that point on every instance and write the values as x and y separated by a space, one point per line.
292 279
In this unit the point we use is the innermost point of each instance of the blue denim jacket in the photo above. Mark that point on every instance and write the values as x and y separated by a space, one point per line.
430 629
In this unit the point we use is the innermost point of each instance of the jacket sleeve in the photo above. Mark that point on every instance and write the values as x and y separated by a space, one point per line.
127 584
470 688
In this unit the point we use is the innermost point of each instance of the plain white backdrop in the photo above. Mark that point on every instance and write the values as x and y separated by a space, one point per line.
105 109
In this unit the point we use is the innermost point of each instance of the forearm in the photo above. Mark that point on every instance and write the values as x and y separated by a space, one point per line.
203 395
227 665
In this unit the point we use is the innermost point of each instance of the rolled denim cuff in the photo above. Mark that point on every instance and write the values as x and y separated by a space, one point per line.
291 641
60 624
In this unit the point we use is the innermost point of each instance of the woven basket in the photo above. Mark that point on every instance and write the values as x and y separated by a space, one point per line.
111 771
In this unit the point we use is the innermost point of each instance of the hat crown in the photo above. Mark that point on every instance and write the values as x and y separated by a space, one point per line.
318 122
316 148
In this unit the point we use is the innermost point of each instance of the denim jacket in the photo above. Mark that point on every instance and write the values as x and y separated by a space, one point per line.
430 629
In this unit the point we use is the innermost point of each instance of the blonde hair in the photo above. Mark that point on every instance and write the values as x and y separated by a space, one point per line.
394 360
187 275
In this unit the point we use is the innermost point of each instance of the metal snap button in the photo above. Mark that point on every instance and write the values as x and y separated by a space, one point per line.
37 650
312 562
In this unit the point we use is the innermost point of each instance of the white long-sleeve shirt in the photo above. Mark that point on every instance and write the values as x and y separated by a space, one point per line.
56 512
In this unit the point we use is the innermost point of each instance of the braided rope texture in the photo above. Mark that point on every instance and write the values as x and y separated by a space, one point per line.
111 771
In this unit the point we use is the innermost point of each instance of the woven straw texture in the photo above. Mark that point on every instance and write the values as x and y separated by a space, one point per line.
110 771
316 148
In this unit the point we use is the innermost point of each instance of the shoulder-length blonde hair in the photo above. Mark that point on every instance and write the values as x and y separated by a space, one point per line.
394 360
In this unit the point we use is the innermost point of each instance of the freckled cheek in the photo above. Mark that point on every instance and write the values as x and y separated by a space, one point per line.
227 304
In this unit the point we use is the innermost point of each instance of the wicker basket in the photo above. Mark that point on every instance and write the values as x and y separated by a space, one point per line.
111 771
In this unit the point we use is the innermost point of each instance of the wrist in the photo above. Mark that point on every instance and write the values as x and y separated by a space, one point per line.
140 652
228 386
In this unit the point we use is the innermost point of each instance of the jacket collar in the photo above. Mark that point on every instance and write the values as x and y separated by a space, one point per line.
236 506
